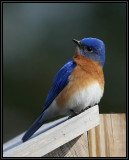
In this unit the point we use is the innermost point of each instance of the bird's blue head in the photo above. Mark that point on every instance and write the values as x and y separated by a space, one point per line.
92 48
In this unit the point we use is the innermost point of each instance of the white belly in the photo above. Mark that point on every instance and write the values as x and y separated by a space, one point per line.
89 96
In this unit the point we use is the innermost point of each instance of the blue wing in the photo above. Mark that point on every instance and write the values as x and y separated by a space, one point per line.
60 81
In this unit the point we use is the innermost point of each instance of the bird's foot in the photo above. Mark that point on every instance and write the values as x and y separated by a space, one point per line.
87 108
73 113
76 113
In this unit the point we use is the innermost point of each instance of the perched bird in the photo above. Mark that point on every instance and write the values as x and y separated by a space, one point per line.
79 84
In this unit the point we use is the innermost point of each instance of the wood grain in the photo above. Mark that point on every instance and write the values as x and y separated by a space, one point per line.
106 140
75 138
74 148
55 137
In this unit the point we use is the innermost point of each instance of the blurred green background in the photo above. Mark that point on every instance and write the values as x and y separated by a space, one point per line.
37 42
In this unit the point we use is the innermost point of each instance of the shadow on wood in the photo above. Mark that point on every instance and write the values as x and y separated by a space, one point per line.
53 138
74 148
76 137
106 140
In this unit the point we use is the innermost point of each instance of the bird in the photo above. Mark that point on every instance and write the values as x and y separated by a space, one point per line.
78 85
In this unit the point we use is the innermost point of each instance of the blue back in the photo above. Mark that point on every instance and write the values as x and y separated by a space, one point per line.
60 81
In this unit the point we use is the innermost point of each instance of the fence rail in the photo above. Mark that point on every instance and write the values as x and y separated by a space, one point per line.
106 140
85 135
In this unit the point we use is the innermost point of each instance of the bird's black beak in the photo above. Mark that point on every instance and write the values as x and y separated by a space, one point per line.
77 42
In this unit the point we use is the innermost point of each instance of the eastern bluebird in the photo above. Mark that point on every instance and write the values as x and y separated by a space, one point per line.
79 84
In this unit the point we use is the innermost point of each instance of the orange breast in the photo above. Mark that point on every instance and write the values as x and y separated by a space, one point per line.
85 74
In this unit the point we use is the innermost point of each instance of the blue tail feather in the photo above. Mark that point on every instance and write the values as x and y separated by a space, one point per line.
34 127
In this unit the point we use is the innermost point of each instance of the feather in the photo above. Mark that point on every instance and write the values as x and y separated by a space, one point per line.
60 81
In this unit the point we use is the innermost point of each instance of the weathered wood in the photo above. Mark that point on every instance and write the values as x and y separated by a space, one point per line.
55 137
109 138
106 140
96 137
78 147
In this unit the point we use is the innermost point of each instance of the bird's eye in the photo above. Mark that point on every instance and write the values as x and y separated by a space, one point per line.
89 49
